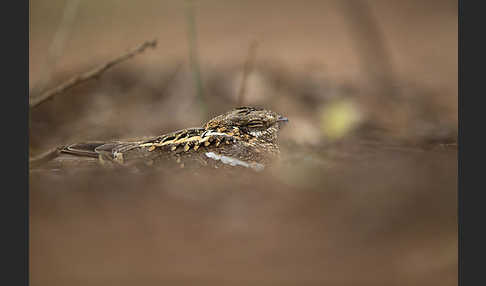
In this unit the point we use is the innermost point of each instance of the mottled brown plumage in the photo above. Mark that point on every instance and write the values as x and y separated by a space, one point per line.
244 136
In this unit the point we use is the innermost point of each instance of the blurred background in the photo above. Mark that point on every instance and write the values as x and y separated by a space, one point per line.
364 193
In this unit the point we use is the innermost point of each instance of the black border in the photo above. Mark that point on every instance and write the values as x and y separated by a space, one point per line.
14 25
470 179
460 146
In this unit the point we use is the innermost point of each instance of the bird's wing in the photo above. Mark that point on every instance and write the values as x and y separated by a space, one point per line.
94 149
83 149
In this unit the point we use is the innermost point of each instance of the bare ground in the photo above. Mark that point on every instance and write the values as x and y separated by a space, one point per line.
373 205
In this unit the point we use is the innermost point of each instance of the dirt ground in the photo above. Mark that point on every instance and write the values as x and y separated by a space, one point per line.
365 192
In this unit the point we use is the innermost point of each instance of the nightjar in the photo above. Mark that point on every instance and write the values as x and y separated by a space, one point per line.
243 136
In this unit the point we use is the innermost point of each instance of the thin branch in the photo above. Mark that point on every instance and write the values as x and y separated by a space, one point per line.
171 77
249 63
92 74
370 44
45 157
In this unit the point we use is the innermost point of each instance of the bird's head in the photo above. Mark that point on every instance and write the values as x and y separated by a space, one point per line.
250 122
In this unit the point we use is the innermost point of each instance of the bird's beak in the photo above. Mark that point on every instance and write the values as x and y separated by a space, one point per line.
283 119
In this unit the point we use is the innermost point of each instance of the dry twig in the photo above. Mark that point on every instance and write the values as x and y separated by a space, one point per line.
247 70
92 74
370 44
45 157
193 54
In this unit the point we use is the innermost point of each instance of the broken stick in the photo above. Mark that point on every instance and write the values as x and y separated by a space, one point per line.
92 74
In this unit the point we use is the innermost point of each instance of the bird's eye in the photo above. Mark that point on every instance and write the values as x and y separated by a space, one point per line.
243 111
255 124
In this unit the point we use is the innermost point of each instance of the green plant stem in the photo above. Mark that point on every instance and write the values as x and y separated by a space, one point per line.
193 55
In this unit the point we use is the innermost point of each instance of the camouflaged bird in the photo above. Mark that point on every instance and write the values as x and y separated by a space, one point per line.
244 136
